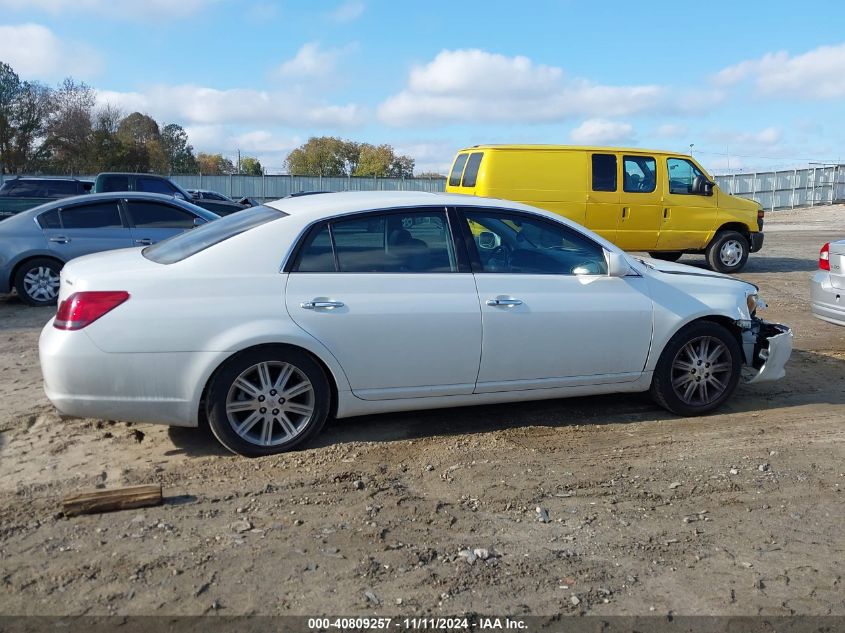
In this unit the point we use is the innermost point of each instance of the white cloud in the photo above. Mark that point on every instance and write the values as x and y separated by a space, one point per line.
816 74
752 140
429 155
348 11
198 105
602 132
148 9
310 61
478 86
34 51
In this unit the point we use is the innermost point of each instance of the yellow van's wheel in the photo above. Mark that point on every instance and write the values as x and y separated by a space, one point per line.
667 256
727 252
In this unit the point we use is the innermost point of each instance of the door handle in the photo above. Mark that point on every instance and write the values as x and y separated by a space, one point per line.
311 305
504 302
60 239
144 242
624 212
665 214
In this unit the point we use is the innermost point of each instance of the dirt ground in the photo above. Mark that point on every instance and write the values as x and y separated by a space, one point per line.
741 512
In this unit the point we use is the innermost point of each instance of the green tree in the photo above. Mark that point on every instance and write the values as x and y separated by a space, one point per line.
107 153
319 156
140 138
251 166
178 153
70 127
24 110
214 164
382 161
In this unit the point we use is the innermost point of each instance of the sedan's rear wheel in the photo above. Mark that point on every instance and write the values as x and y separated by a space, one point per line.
698 370
37 281
268 401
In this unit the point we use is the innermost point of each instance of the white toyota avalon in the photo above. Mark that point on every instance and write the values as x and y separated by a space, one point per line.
272 319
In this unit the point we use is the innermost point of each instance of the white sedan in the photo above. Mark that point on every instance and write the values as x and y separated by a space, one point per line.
271 320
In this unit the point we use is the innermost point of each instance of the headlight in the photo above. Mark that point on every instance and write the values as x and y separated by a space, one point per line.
754 302
751 302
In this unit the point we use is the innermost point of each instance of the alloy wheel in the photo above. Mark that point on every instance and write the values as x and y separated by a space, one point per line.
41 283
701 371
270 403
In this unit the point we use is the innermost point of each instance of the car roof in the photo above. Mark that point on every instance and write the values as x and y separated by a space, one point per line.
343 203
109 195
41 178
568 148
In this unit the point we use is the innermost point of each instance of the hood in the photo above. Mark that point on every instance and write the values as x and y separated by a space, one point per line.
658 267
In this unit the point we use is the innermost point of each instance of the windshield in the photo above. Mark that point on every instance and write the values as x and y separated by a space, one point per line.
189 243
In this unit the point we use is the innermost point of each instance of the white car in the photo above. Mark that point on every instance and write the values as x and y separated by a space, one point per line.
828 284
270 320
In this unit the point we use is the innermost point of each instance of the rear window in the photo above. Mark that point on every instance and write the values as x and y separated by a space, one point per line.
114 183
189 243
471 171
62 188
457 170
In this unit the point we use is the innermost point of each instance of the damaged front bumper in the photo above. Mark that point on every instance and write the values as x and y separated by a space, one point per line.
767 347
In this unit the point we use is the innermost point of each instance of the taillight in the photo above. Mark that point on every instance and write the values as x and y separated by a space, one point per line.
83 308
824 257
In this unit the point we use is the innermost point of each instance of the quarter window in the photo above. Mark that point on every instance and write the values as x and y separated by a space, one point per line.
640 174
155 215
50 220
604 172
103 215
457 170
515 243
406 242
682 173
471 171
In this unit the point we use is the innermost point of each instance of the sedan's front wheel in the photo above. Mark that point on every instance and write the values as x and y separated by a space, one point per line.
698 370
268 401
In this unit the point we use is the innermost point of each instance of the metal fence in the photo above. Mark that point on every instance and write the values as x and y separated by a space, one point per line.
788 189
278 186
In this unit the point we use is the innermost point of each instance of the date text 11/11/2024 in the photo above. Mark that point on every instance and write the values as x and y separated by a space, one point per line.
361 623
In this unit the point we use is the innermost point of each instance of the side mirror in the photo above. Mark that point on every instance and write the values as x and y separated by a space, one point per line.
617 264
198 222
702 187
488 240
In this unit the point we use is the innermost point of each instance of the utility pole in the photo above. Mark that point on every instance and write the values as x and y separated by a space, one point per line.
691 145
239 161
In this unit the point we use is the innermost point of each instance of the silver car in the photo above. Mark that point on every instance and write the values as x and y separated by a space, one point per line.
827 290
36 244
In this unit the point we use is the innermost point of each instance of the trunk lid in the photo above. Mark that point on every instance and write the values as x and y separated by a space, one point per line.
109 270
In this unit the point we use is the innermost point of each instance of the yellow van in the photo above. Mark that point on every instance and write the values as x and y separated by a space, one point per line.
641 200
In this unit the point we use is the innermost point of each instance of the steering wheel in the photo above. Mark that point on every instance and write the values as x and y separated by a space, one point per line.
500 258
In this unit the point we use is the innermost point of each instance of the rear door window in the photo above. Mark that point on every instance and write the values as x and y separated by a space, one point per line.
155 185
457 170
115 183
157 215
316 255
471 171
604 172
62 188
100 215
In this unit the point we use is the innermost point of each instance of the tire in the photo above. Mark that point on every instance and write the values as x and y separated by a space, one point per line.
240 413
37 281
727 252
667 256
678 370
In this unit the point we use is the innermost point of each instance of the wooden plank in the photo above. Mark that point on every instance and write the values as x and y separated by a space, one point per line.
110 500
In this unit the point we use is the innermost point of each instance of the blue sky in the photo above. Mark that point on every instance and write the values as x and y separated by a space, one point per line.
751 85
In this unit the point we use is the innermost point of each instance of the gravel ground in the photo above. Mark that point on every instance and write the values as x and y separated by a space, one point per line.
436 512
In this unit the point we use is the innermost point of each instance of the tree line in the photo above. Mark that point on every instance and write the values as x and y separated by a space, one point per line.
62 130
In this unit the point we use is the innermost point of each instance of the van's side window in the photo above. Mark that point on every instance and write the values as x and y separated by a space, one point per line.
604 172
457 170
640 174
682 173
